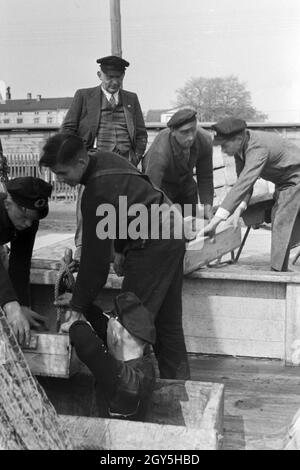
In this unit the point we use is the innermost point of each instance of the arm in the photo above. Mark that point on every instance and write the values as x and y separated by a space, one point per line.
141 131
95 255
155 164
204 173
241 190
20 261
72 118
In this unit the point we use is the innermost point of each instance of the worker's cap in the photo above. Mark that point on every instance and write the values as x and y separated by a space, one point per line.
112 62
181 117
132 314
31 193
227 128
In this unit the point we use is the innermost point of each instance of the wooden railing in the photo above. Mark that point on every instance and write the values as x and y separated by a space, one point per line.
27 164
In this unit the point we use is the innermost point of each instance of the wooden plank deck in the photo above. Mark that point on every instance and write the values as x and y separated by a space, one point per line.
261 397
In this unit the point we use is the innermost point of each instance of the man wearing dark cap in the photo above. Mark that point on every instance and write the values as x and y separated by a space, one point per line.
266 155
25 203
115 347
107 118
153 268
174 154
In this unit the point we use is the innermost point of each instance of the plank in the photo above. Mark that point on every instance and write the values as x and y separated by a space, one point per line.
201 251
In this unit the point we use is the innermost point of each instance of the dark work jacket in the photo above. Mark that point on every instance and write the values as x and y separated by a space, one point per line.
14 284
167 167
96 253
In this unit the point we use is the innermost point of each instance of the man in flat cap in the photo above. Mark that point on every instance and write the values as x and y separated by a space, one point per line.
269 156
174 155
115 346
107 118
25 203
153 252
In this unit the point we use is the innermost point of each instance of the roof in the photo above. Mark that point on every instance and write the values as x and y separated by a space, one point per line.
35 105
153 115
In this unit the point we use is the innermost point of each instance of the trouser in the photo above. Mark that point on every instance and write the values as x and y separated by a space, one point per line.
121 389
284 218
154 273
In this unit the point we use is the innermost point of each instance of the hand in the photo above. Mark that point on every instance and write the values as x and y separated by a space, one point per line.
18 322
34 319
70 317
119 260
63 300
210 228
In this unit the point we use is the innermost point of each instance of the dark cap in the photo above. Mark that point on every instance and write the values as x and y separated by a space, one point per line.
181 117
132 314
112 62
227 128
31 193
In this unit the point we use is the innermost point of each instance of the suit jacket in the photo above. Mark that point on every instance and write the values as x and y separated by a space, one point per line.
169 169
84 115
266 155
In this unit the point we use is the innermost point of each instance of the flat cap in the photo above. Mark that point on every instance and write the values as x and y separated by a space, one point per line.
132 314
31 193
181 117
112 62
228 127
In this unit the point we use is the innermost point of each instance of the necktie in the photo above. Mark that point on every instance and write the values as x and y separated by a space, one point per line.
112 102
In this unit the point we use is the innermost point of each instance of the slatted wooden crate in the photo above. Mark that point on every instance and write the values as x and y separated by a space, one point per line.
183 415
51 355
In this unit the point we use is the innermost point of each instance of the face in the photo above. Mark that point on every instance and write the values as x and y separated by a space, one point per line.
232 146
21 217
112 80
70 174
185 135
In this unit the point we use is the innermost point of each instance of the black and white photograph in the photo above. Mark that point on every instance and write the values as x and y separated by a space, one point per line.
149 228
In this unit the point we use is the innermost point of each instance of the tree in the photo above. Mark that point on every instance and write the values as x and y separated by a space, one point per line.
216 98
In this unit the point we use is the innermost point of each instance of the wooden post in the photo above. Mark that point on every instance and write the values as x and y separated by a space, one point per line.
115 21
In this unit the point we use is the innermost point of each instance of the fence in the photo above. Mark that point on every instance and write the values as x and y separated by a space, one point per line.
27 164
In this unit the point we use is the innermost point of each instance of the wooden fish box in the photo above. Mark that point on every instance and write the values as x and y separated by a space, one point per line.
183 415
201 251
51 355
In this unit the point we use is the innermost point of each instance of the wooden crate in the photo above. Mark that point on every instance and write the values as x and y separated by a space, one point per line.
183 415
51 355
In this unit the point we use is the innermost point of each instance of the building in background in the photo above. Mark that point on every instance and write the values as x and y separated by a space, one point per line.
32 112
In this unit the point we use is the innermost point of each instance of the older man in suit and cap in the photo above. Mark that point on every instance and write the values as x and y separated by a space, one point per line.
269 156
173 156
24 204
107 118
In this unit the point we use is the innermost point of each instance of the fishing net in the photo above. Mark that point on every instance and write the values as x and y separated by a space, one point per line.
27 418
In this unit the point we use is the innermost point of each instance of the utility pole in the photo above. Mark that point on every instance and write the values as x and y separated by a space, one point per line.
115 23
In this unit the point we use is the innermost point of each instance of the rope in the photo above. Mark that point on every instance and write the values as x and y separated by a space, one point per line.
65 282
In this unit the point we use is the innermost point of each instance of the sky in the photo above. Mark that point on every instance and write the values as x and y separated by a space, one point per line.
50 47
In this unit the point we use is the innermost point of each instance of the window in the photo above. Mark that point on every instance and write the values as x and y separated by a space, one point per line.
6 121
36 112
19 120
49 120
36 120
19 113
